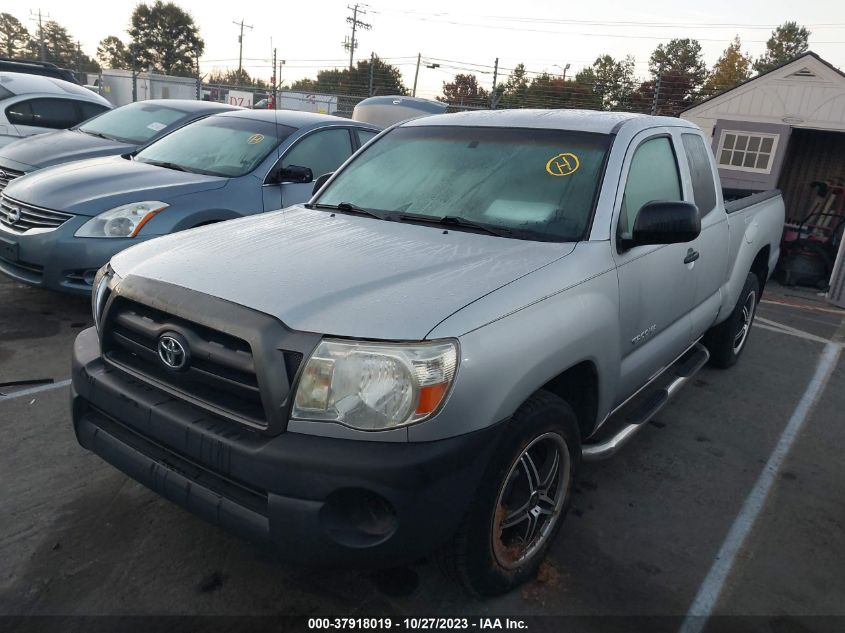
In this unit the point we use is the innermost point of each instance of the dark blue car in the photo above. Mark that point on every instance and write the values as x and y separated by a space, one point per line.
59 225
114 132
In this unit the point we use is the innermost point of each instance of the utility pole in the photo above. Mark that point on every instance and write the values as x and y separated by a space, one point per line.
41 48
416 74
241 43
79 62
656 90
273 79
351 44
372 66
493 99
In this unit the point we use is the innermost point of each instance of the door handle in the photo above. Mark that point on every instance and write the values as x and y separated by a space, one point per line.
692 255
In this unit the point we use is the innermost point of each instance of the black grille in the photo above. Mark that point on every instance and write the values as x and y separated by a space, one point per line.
220 376
7 175
21 217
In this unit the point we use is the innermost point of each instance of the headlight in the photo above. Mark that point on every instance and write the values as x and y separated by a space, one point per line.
375 386
100 292
123 221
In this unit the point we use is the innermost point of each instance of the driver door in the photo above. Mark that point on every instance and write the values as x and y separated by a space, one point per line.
656 286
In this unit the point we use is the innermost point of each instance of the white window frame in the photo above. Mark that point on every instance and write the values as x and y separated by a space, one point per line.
737 133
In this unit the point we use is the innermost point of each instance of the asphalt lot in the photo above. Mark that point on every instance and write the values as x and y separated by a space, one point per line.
79 538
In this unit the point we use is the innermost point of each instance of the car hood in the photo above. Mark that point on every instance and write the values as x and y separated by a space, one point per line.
61 146
89 187
339 274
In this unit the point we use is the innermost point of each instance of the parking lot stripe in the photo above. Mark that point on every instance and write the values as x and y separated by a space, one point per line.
774 326
710 590
33 390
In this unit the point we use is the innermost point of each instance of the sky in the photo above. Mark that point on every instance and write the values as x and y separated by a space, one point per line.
462 36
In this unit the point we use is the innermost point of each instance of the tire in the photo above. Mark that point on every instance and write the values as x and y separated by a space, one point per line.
726 341
489 565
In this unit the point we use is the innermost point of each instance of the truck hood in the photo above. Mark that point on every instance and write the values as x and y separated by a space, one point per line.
61 146
341 275
89 187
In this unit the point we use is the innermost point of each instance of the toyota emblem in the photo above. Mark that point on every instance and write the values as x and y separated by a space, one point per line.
13 214
173 351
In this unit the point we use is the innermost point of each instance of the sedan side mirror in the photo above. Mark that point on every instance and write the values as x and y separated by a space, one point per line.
320 182
665 222
296 174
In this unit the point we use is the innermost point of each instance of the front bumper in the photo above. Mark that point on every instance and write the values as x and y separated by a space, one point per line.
57 260
313 500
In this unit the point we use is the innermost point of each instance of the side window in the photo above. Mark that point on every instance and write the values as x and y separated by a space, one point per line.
364 136
20 113
321 151
653 175
703 188
89 110
54 113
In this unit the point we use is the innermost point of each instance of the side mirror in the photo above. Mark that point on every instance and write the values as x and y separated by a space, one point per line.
665 222
320 182
295 173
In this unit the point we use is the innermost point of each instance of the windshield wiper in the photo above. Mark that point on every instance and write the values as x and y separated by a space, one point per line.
456 221
97 134
166 165
349 207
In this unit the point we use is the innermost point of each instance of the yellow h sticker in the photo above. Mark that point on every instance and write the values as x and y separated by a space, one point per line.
563 165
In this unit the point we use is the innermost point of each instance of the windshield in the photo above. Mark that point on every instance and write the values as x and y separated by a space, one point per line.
218 145
135 123
536 184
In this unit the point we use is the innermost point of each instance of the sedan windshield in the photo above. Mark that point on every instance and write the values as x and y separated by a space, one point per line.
527 183
219 145
135 123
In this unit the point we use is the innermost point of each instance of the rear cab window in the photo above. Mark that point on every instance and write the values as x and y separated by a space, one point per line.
701 173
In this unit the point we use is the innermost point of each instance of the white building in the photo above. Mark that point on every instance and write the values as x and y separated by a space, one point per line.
784 128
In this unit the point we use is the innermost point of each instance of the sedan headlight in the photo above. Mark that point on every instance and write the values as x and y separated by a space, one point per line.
123 221
375 386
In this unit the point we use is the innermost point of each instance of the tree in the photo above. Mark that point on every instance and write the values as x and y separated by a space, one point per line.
60 49
165 39
551 91
787 41
113 53
464 90
512 93
732 67
611 80
386 80
682 72
234 78
13 36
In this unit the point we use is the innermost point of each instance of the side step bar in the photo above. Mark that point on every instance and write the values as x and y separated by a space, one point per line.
682 371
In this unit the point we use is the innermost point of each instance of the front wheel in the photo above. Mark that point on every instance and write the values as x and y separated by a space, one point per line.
521 502
726 341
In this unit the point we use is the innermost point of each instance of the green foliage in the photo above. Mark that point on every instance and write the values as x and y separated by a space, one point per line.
113 53
787 41
611 80
13 36
464 90
165 39
683 74
234 78
60 49
733 67
387 80
512 93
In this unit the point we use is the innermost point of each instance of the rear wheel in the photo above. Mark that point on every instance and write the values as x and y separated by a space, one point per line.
726 341
521 502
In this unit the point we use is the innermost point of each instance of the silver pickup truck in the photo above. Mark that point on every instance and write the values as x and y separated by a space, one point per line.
417 361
